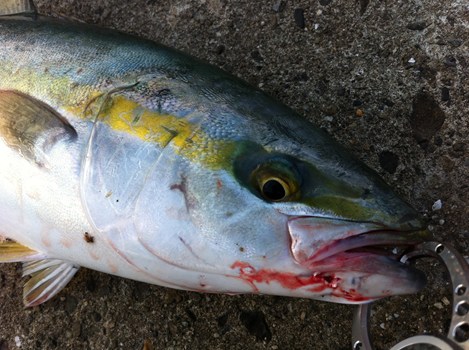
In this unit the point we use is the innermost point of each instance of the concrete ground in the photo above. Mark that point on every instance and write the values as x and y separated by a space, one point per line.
389 79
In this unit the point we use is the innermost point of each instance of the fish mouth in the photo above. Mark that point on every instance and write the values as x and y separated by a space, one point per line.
361 251
371 242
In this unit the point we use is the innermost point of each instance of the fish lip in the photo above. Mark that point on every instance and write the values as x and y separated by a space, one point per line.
356 235
370 239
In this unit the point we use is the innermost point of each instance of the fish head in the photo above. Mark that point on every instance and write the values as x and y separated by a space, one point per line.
311 220
252 199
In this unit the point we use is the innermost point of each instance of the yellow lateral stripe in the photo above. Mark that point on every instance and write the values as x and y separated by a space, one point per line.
191 142
122 114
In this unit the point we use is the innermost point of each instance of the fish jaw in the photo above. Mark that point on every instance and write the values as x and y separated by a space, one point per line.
344 253
342 280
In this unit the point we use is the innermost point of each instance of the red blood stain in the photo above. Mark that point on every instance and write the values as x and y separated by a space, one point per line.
319 282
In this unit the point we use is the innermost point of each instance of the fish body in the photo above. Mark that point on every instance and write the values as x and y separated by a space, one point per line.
127 157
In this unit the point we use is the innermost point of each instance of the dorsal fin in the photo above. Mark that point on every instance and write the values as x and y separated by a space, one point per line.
31 127
16 7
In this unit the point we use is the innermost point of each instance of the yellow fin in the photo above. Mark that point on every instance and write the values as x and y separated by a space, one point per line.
30 126
13 7
48 277
11 251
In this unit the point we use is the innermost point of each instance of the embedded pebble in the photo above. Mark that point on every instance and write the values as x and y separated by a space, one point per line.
445 94
437 205
278 6
420 25
255 323
426 118
18 341
388 161
299 16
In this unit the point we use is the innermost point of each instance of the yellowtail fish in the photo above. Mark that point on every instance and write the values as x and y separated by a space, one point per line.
124 156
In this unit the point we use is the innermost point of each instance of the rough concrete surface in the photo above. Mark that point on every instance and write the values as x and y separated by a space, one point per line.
389 79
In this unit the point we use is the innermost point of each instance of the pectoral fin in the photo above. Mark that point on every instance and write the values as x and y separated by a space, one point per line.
13 7
31 127
11 251
48 277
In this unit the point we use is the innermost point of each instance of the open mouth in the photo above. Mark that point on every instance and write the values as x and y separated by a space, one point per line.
377 242
317 240
362 256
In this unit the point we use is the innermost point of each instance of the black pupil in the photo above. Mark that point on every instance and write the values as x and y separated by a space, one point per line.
273 190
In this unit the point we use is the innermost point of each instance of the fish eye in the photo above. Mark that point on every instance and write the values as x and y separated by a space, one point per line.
272 177
275 189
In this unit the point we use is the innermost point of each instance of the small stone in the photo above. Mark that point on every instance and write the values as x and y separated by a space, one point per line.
109 324
437 205
441 222
321 88
255 323
388 161
450 61
330 110
76 329
303 76
427 117
220 49
447 163
147 345
278 6
420 25
445 301
71 304
382 326
438 305
341 91
302 315
458 148
411 60
96 316
388 103
455 42
91 284
222 320
18 341
363 6
256 56
299 16
359 112
445 94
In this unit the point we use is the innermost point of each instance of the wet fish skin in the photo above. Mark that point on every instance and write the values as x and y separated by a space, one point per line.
148 164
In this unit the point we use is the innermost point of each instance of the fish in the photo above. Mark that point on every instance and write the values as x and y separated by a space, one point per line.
127 157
